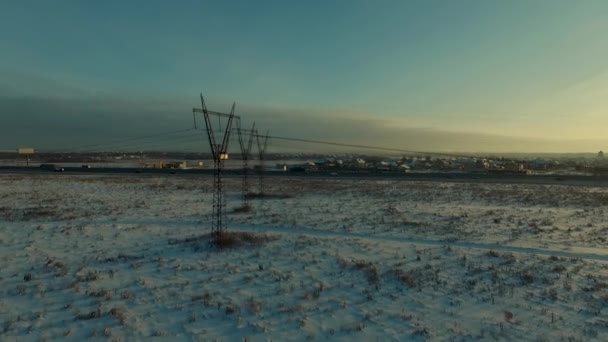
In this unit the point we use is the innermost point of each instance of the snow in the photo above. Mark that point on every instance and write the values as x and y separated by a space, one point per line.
125 258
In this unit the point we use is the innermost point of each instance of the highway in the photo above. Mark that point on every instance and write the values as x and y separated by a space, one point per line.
411 176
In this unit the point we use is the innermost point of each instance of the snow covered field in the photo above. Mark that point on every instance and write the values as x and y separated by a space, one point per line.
126 258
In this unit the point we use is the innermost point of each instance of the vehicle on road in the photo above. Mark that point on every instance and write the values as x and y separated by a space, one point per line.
51 167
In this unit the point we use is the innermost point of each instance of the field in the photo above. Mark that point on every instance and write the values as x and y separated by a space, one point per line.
123 258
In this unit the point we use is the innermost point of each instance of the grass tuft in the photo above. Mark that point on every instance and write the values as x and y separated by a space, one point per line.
237 239
247 208
89 315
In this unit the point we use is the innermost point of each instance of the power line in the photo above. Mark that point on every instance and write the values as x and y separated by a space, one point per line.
369 147
136 142
122 141
170 136
161 141
113 145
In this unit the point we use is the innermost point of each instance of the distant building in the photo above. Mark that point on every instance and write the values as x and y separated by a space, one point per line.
164 165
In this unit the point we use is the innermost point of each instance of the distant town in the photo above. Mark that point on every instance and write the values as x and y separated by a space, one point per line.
583 164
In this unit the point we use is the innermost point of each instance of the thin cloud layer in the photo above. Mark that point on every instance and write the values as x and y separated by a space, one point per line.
65 124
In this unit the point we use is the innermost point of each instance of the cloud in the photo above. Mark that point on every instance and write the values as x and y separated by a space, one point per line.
392 133
63 124
103 122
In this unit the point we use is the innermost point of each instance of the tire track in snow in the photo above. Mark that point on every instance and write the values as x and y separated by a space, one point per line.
600 255
460 244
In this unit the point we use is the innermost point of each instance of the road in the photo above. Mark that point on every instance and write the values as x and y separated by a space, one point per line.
412 176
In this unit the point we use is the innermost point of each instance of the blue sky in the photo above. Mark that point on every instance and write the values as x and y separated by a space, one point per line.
529 69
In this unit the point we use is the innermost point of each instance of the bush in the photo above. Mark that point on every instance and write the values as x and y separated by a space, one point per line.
89 315
492 254
405 278
527 278
120 313
236 239
247 208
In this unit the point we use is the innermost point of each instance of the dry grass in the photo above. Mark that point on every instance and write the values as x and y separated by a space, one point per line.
237 239
492 254
268 196
508 316
481 278
89 315
405 278
527 278
226 240
30 214
373 276
247 208
100 293
254 306
230 309
120 313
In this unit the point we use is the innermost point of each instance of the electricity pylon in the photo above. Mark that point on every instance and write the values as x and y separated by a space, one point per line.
245 155
262 146
219 153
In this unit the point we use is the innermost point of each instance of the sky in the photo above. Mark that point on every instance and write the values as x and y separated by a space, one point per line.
458 76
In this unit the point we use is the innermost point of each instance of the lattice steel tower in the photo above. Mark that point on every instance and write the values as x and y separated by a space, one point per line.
245 155
262 146
219 153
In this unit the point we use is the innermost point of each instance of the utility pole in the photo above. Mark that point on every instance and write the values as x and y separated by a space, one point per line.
262 146
245 155
219 152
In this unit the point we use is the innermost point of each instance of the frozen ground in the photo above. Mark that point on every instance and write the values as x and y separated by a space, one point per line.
123 258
